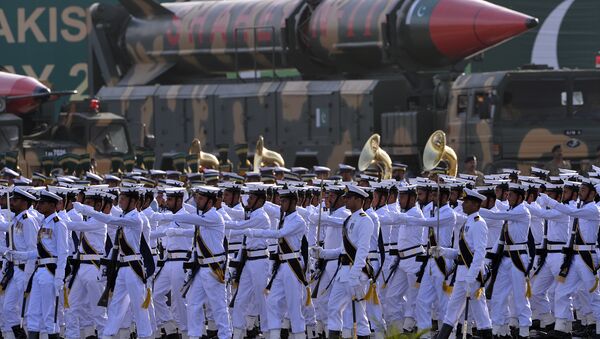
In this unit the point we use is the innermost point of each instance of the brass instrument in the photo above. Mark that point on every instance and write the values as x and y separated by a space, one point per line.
205 160
266 157
437 151
373 154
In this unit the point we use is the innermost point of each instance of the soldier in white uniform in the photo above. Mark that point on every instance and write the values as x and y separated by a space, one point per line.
401 281
434 275
470 258
579 268
170 276
205 283
84 289
48 279
351 281
287 288
130 290
21 235
511 262
253 269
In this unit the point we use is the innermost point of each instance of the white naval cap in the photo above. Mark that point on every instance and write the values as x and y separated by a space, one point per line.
110 177
344 167
93 176
22 181
9 172
321 169
473 194
19 193
209 191
155 172
49 196
539 170
174 191
355 190
516 187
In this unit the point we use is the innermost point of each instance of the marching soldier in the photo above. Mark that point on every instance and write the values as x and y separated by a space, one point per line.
48 279
401 282
83 288
351 280
579 268
287 285
170 276
433 277
21 236
129 289
205 282
252 271
510 264
470 256
556 236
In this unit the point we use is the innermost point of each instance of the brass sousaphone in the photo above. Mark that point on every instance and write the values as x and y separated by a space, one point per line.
437 151
373 154
266 157
205 160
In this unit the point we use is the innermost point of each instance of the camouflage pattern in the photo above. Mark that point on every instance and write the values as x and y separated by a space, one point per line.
529 111
70 145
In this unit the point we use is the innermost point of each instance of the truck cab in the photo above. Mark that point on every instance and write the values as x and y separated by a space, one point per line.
75 138
514 118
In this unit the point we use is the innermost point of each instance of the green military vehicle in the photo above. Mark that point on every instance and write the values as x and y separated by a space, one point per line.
515 117
74 144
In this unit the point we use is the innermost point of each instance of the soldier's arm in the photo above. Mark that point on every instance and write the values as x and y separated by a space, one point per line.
362 247
512 215
112 220
447 219
4 225
83 226
30 231
480 241
260 221
588 212
62 248
289 228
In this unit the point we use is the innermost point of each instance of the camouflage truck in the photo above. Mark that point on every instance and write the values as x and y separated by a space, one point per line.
214 70
78 141
515 117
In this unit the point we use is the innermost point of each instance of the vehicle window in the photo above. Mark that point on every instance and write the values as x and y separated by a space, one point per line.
484 106
533 100
9 138
586 98
109 139
462 104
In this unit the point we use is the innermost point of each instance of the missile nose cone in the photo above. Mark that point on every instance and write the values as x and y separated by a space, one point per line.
532 23
459 29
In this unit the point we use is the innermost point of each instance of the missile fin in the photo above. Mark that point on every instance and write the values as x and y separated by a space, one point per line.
145 9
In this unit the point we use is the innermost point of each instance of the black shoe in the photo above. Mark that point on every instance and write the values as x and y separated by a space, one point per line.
485 334
33 335
53 336
19 332
335 334
92 337
285 333
210 334
434 326
535 325
445 332
363 337
173 336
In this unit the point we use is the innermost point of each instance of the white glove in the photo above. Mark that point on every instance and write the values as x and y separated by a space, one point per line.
58 286
315 251
436 251
469 288
313 218
83 209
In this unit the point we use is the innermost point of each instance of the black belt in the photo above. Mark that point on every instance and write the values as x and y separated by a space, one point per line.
257 258
345 260
21 267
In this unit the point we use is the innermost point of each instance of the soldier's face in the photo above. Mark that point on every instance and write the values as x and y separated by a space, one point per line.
201 201
228 198
514 198
287 204
353 203
46 207
586 193
454 195
470 206
398 174
422 197
89 202
17 205
346 175
172 204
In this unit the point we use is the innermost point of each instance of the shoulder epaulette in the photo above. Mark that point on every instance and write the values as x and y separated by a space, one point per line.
56 219
363 214
477 218
25 216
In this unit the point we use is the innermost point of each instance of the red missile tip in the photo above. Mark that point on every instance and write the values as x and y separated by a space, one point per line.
462 28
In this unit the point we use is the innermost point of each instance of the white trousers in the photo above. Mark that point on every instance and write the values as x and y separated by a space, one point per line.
41 304
251 293
206 289
340 298
171 278
402 288
510 281
478 310
579 277
13 300
431 296
83 302
543 285
129 292
287 297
